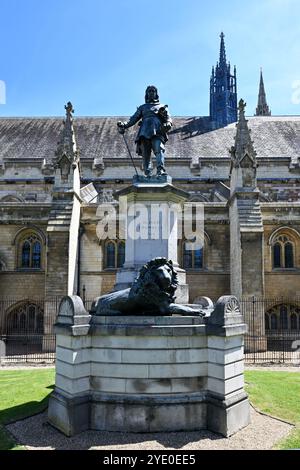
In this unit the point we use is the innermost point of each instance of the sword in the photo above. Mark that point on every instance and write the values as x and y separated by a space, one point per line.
122 131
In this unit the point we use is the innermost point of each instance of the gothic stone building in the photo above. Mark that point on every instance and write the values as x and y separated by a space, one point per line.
250 188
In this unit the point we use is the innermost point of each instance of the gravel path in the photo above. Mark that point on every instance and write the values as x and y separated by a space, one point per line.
262 433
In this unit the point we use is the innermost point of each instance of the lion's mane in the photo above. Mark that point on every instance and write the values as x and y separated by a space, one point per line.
147 290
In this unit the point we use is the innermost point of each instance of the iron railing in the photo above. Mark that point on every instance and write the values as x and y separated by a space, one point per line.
27 336
273 330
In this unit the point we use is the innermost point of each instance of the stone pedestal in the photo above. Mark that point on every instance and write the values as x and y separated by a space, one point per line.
151 208
149 374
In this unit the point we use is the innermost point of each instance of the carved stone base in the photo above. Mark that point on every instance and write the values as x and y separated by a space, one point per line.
149 373
154 179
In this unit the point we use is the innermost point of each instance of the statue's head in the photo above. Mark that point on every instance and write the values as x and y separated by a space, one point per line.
151 94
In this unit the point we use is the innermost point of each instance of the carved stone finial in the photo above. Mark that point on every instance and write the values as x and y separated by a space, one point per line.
66 154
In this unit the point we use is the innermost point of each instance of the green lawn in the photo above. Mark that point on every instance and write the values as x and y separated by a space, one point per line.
22 393
277 394
25 392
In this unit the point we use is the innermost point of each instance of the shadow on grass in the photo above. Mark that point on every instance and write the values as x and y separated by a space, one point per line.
16 413
24 410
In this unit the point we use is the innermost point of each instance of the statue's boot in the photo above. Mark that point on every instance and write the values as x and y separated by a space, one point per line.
147 166
160 164
148 173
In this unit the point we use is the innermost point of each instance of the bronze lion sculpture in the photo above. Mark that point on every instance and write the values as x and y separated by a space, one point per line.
152 293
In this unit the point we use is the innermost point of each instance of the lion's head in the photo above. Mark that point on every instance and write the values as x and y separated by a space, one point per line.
155 286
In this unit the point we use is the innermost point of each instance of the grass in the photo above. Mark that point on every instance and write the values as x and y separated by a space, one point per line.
277 394
23 393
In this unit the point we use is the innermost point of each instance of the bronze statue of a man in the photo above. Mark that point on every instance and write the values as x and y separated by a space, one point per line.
155 122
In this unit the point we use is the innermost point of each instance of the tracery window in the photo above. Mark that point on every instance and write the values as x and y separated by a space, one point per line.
25 318
192 257
283 252
30 252
114 254
282 317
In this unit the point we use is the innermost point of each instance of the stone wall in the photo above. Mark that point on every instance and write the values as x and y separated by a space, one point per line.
21 285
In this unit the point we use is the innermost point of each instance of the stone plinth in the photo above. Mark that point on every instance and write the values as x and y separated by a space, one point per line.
153 207
149 374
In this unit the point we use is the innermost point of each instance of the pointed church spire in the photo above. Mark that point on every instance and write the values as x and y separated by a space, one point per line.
223 91
222 59
262 105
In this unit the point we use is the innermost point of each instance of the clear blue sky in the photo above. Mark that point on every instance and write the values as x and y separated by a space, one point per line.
101 54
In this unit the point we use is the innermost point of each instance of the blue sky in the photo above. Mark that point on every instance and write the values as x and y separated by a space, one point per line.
102 54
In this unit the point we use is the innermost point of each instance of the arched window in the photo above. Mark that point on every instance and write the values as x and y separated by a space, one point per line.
121 254
30 251
25 318
277 255
288 255
283 252
282 317
273 321
192 256
114 254
294 321
22 322
110 255
36 255
26 255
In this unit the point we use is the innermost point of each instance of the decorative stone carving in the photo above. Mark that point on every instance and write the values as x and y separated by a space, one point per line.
232 307
226 312
106 195
98 165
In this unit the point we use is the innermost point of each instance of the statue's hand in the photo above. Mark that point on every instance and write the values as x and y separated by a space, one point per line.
121 127
167 126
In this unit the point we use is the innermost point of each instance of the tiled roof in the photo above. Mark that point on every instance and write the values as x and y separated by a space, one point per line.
191 137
